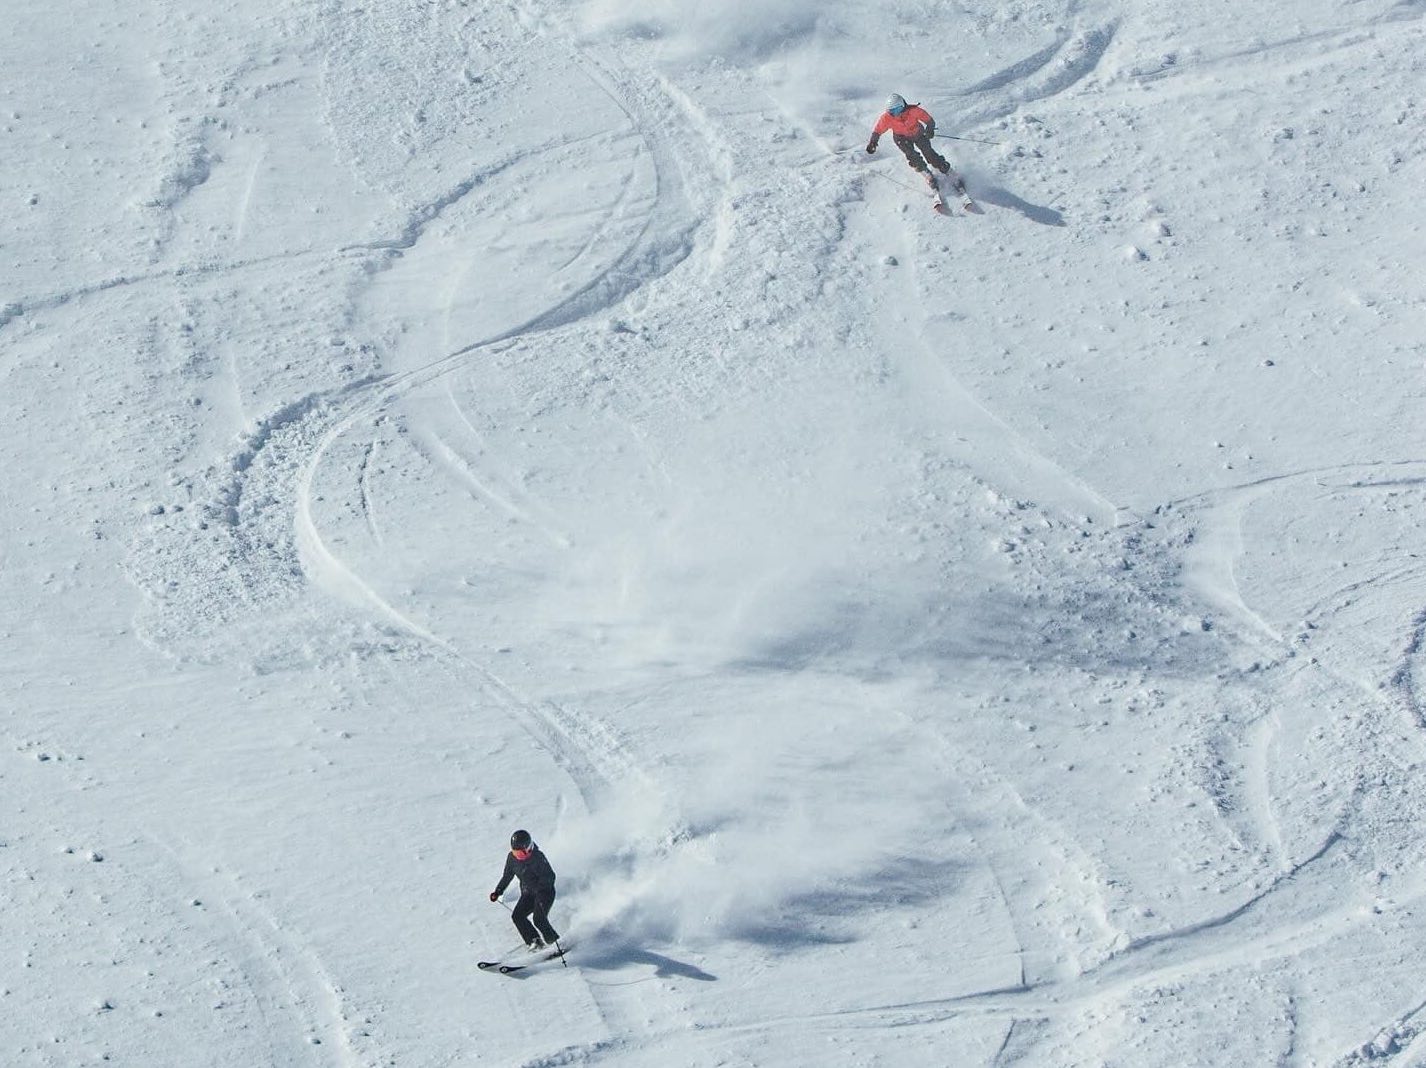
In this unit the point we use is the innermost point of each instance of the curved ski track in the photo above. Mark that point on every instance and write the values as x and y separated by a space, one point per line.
664 242
1046 73
1403 1039
591 752
1235 941
276 990
1220 509
1252 930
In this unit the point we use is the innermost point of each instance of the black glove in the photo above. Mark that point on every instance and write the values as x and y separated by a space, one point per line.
931 128
494 896
871 146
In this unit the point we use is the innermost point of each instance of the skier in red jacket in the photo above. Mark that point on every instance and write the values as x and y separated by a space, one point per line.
911 128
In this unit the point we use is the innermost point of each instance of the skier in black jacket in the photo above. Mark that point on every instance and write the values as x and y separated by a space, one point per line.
537 890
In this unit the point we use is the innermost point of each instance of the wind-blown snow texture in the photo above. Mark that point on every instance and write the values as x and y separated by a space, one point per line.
997 640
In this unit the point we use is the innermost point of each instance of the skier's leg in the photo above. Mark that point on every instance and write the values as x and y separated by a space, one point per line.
520 914
933 157
908 149
542 918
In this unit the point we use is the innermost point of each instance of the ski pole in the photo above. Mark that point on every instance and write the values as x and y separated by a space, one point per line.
895 181
977 140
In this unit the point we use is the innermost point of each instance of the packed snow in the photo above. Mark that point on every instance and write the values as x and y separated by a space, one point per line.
976 641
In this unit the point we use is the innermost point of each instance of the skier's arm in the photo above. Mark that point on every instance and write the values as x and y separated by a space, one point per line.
505 878
882 125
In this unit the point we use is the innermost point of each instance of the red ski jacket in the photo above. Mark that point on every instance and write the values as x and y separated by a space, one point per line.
913 122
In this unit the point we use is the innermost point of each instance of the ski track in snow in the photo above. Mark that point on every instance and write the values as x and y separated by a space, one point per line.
15 309
590 752
1259 743
280 996
331 572
368 504
1219 544
1248 934
594 758
1003 826
306 990
1239 939
1344 36
303 448
1407 677
1053 70
442 456
1246 937
610 286
499 488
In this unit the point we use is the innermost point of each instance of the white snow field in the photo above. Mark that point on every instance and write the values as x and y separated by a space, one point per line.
977 641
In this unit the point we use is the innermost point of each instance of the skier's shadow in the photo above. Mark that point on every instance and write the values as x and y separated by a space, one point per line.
1003 198
667 966
664 967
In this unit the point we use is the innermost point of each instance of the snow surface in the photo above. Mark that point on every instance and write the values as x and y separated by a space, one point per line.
996 640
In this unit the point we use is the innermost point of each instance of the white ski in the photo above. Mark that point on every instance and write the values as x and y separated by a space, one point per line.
525 960
941 203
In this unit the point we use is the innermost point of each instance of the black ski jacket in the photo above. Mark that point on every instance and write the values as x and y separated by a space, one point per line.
535 874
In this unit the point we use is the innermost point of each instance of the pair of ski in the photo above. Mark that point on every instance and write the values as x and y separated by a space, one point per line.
957 186
511 964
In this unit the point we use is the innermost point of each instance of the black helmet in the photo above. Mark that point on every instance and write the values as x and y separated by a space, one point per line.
520 840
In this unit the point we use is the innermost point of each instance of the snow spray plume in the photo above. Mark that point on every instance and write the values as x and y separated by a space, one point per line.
737 850
731 29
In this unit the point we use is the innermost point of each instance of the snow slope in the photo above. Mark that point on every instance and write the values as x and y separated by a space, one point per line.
996 640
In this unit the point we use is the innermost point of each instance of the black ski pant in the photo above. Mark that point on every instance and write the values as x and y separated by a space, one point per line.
536 903
909 146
